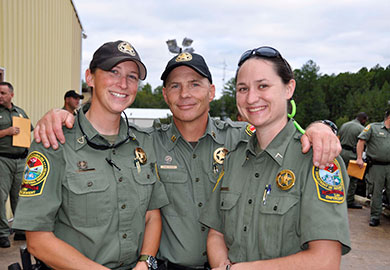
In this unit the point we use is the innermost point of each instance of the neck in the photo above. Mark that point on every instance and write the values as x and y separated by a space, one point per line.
192 131
68 108
105 123
265 135
387 123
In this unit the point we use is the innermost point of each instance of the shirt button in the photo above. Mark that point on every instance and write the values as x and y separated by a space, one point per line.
204 253
148 176
90 184
113 151
250 201
194 156
123 206
203 228
200 204
244 228
120 179
124 236
257 175
197 179
275 207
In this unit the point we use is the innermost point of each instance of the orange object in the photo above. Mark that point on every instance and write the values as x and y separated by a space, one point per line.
23 139
355 171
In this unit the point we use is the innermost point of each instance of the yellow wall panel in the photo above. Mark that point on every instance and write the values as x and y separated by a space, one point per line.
40 49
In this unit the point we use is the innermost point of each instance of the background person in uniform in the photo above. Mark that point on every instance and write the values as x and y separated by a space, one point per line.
266 212
190 155
348 134
11 161
377 137
72 101
94 203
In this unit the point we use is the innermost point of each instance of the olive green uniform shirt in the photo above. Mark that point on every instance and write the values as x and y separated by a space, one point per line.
349 133
189 175
97 207
260 225
6 122
377 137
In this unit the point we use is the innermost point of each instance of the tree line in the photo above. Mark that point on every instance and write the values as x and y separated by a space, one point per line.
318 96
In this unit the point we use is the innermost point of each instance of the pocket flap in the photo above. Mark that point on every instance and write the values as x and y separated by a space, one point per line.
228 200
86 182
278 204
173 176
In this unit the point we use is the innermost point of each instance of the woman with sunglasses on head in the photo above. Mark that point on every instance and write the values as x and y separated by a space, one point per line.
94 203
274 209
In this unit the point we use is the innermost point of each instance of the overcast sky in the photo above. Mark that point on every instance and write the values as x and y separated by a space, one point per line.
338 35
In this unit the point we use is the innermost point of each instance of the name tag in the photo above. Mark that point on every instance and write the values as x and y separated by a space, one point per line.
171 167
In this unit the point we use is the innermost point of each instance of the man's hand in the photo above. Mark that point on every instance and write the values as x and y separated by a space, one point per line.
326 145
13 131
49 127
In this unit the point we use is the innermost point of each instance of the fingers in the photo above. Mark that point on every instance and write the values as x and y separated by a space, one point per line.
305 144
37 136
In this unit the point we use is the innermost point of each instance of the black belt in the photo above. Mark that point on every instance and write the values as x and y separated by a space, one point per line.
350 148
173 266
15 156
375 162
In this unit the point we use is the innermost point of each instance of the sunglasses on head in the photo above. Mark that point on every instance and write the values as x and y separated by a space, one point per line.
264 51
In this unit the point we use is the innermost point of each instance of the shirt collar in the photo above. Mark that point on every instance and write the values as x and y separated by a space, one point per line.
278 146
92 134
212 131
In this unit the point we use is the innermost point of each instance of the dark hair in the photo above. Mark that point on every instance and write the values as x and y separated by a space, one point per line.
387 113
361 116
281 66
10 87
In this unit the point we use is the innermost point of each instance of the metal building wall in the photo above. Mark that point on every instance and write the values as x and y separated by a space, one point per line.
40 49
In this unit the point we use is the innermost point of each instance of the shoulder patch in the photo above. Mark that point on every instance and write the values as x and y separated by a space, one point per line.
250 129
367 128
329 183
35 174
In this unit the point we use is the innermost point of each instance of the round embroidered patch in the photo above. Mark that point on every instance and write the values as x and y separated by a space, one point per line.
35 174
329 183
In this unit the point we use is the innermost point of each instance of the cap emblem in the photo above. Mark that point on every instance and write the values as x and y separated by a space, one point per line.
184 57
125 47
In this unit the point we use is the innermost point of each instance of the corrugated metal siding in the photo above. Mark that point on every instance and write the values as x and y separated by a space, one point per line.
41 52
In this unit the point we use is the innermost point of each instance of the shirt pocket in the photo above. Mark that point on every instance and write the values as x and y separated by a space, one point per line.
89 199
278 226
230 215
145 181
176 186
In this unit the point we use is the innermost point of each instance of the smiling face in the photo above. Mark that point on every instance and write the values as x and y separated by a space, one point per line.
114 90
261 94
188 95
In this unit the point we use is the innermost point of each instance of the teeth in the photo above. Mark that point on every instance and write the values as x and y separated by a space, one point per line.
118 95
257 109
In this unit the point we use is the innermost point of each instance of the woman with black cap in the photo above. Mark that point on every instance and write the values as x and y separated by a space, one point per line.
94 203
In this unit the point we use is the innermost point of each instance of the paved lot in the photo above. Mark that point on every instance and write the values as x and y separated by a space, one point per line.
370 245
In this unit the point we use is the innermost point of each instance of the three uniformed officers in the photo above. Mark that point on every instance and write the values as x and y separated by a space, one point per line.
190 155
348 134
12 159
377 137
94 202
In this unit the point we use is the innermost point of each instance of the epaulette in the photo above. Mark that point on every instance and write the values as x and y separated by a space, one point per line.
147 130
235 124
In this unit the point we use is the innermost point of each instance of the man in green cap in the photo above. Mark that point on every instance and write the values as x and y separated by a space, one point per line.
348 135
377 138
190 154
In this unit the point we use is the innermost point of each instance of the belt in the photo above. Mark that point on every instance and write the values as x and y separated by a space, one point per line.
349 148
173 266
15 156
375 162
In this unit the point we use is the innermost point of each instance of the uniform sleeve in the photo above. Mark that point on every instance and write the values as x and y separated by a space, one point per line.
41 193
321 216
211 213
366 133
159 197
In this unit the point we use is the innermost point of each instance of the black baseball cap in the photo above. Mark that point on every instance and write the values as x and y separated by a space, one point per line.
72 93
112 53
192 60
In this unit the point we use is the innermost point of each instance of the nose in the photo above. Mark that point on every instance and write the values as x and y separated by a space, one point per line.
184 91
252 97
122 82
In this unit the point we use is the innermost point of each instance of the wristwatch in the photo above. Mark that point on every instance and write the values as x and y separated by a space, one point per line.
150 260
331 125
